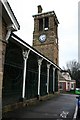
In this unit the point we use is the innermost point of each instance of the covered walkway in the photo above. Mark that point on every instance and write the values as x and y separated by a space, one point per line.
27 73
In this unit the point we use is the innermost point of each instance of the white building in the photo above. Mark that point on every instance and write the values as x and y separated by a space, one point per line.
65 82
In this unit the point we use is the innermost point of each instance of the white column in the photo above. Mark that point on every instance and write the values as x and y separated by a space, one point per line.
25 57
39 73
48 68
53 79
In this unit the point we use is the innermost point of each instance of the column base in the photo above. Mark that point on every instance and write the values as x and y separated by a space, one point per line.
22 99
53 92
47 93
38 97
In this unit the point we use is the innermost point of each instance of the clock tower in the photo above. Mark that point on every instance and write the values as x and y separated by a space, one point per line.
45 34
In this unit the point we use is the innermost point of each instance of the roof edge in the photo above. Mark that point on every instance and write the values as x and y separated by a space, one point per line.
49 12
11 14
33 49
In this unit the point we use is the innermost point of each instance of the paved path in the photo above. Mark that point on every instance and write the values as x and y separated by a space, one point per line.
59 107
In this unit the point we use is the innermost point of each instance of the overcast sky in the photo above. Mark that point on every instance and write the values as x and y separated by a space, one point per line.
67 14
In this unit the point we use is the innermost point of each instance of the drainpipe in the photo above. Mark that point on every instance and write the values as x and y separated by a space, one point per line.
8 34
25 57
9 30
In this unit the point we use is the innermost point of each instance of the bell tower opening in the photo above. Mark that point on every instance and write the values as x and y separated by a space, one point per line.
40 24
46 25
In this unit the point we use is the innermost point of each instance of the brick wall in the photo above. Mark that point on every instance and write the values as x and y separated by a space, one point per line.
48 48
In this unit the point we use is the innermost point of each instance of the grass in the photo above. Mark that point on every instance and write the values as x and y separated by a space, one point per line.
73 92
70 92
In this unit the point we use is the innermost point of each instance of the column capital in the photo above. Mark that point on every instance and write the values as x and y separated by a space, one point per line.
48 66
25 54
54 68
40 61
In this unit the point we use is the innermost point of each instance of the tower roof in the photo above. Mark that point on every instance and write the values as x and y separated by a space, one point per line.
46 14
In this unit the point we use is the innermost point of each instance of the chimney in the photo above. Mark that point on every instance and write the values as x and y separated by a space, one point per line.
39 9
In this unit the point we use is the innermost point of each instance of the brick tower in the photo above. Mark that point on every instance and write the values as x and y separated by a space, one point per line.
45 35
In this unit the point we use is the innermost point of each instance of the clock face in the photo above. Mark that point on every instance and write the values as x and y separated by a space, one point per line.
42 38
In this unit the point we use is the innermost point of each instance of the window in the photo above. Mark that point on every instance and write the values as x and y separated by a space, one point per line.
46 22
56 40
61 85
55 25
68 85
40 24
72 85
43 23
56 61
